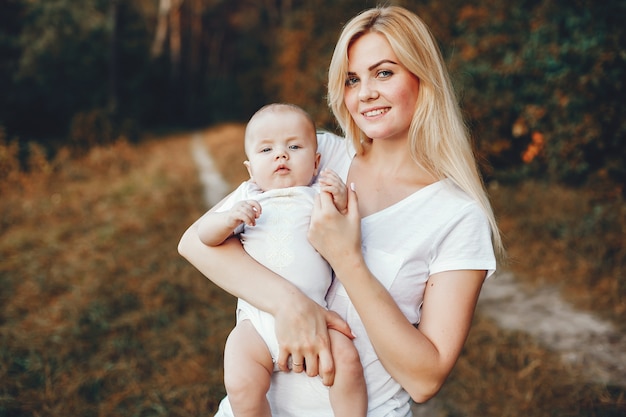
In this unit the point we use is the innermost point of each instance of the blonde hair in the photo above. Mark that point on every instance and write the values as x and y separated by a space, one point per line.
438 137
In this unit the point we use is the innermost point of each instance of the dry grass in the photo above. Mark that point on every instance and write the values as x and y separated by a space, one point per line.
507 374
573 239
100 316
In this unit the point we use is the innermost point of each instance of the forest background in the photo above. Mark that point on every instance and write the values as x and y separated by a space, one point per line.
541 81
88 89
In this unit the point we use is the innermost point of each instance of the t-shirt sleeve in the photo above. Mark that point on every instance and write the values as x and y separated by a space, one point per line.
336 153
465 243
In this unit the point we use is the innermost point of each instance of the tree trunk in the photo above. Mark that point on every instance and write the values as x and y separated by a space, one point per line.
175 40
161 29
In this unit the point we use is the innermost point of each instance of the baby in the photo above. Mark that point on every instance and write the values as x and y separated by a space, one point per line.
271 214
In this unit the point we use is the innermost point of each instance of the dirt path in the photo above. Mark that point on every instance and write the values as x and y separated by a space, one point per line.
582 339
214 186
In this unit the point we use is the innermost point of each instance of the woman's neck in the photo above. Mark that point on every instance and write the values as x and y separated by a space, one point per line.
392 160
385 175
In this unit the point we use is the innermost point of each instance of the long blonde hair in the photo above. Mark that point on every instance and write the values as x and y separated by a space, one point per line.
438 137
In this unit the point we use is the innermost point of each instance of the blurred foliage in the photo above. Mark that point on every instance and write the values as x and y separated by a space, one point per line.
541 81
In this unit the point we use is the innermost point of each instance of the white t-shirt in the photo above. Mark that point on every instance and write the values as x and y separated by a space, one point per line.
438 228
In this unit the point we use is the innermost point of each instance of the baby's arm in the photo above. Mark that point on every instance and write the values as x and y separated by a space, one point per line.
331 183
215 227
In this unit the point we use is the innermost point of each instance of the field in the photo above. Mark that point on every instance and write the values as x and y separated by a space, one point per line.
100 316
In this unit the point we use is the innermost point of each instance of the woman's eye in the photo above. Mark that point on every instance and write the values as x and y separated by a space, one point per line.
350 81
384 74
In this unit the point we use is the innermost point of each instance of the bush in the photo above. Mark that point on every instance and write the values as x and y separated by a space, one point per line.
543 85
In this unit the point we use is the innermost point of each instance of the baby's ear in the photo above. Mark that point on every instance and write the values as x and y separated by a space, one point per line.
249 168
318 157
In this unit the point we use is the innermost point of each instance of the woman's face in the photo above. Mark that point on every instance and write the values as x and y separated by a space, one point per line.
380 93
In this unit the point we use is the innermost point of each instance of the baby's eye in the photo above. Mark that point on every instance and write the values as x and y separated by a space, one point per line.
294 147
264 150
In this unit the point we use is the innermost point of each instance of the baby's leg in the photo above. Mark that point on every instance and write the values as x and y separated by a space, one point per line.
248 371
348 395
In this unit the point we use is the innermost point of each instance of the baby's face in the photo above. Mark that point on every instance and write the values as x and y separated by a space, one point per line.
282 150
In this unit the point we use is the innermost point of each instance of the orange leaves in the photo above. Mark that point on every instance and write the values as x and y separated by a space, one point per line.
534 148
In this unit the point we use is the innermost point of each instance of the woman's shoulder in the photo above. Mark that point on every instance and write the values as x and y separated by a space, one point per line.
328 140
336 152
446 201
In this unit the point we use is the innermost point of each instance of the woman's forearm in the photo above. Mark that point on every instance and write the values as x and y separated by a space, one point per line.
405 353
420 359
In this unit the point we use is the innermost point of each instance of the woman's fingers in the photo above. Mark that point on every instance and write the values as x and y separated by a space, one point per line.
333 234
284 358
335 322
326 368
310 364
296 363
302 332
353 201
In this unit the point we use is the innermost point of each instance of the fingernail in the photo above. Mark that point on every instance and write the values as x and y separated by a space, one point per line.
352 186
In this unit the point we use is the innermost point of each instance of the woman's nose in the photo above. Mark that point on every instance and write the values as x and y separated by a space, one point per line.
367 91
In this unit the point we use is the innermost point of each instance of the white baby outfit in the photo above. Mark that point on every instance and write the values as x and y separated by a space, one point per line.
279 241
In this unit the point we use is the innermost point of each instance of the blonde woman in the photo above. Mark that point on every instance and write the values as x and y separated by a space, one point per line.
412 251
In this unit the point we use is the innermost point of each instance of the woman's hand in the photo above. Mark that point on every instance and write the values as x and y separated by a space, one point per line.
302 331
336 236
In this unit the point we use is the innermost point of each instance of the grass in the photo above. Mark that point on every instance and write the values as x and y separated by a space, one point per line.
100 316
572 239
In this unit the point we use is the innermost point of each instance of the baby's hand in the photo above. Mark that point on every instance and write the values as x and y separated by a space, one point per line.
331 183
245 211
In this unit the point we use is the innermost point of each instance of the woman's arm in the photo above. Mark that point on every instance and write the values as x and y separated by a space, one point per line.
420 359
301 324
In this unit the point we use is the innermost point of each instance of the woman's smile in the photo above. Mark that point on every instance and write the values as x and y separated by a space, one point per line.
375 112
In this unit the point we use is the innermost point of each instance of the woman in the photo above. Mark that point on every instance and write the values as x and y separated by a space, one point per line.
411 253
